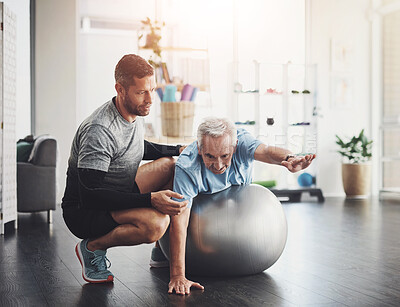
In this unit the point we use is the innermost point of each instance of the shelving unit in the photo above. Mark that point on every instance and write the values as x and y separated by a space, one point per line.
285 94
190 65
180 60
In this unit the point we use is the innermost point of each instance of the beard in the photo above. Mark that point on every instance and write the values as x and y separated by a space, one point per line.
134 109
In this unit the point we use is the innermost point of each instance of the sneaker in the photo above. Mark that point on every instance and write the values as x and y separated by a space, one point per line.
158 259
94 266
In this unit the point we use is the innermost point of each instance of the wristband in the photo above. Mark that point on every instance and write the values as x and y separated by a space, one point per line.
290 156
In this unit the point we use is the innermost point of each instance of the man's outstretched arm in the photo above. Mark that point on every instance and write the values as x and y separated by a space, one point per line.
284 157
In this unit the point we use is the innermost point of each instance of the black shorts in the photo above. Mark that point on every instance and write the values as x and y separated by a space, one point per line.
85 223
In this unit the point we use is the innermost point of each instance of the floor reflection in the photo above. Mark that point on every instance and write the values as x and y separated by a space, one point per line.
91 293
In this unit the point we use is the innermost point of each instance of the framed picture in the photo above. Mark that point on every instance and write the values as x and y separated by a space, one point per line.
342 56
342 90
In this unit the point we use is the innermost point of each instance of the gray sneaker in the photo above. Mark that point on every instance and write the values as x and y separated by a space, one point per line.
94 264
158 259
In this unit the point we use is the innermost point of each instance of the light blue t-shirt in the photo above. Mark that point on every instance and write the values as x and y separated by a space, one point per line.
192 177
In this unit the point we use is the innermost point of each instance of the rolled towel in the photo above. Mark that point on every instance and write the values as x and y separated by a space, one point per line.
195 90
169 93
187 92
160 93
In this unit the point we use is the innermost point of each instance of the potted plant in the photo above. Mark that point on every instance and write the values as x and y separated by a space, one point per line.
356 169
153 38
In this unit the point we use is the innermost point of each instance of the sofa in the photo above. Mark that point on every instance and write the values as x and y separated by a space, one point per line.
36 177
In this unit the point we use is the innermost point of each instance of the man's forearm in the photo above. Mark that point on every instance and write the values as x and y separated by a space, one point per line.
278 154
177 242
271 154
153 151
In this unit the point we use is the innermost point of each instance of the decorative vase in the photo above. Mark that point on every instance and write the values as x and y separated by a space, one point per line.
356 179
151 40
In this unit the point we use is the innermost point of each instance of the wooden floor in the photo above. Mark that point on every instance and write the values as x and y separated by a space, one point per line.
339 253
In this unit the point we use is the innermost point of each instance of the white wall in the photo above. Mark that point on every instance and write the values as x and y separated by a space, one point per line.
271 31
97 56
56 28
58 83
345 21
23 121
99 49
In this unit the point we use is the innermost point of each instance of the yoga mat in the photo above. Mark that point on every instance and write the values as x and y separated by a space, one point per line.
187 92
195 90
266 183
169 93
160 93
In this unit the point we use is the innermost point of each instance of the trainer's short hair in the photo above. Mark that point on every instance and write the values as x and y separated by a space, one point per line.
132 65
216 127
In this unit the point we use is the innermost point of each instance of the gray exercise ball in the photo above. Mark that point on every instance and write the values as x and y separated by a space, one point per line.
241 230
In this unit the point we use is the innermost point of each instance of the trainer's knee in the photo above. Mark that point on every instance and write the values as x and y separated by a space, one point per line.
168 163
155 227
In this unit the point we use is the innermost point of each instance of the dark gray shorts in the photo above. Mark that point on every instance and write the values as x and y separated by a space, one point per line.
86 224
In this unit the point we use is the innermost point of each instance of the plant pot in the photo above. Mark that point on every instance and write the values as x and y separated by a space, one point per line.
356 179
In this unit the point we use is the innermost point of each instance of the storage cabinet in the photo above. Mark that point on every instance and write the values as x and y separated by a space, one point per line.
277 103
8 197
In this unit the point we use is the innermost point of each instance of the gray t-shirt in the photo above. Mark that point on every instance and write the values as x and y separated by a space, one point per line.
107 142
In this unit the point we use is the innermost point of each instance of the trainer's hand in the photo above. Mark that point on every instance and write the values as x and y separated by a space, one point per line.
162 202
298 163
182 286
182 148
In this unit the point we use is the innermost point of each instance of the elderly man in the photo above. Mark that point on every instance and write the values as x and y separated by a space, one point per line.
109 200
221 157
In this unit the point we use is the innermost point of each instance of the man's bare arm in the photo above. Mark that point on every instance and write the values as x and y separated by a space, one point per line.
271 154
281 156
177 246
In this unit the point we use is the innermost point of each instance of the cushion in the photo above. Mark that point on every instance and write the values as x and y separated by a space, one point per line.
23 151
44 151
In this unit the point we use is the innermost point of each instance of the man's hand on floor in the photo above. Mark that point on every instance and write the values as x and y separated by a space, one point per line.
182 286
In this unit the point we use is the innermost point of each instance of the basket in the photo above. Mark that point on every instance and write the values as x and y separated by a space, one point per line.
177 118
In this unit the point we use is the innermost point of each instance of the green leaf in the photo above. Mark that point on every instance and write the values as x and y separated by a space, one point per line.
357 149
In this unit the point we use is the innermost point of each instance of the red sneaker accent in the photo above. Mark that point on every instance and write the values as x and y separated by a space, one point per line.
110 278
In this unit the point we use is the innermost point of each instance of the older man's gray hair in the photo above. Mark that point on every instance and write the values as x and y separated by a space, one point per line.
216 127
